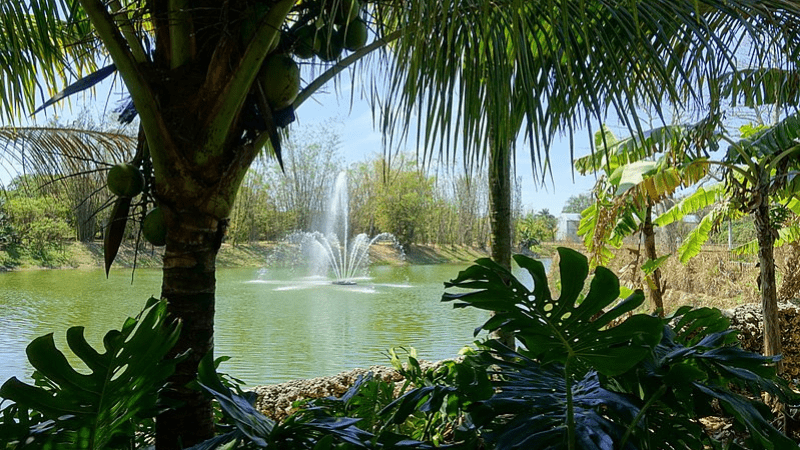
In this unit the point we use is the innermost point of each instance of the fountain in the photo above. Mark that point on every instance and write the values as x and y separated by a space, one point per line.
331 250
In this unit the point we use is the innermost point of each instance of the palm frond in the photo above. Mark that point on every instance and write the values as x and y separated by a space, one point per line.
773 141
76 159
762 86
62 152
475 72
43 45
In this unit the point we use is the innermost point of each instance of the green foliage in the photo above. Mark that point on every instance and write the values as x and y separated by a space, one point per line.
8 236
305 429
101 409
393 196
402 204
434 411
658 376
693 243
570 329
535 228
696 365
40 223
639 172
699 199
450 208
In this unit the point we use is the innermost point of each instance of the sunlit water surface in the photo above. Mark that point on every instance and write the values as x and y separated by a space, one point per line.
275 324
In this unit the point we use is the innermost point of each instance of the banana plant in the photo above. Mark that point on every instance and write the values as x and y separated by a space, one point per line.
638 173
761 176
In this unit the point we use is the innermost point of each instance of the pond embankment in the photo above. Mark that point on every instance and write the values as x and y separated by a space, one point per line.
89 255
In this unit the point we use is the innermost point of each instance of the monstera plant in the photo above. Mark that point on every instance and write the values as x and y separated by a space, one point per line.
584 378
101 409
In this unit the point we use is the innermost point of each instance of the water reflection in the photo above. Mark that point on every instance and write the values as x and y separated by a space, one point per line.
275 328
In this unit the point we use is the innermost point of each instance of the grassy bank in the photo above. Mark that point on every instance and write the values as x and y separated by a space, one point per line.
713 278
82 255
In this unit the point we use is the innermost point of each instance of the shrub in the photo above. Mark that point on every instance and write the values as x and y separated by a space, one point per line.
40 223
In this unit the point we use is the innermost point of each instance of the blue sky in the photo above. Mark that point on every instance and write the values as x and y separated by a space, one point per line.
361 140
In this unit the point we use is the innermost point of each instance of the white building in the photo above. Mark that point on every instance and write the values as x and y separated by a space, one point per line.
567 230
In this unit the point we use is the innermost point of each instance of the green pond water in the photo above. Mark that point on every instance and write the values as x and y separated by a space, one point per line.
275 325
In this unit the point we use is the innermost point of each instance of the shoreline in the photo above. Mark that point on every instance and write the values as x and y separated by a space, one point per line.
89 255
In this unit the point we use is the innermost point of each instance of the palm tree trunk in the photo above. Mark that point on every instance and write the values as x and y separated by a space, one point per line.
500 215
655 287
188 284
500 204
766 280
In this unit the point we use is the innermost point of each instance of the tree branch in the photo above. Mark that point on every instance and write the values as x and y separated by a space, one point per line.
231 97
180 33
138 86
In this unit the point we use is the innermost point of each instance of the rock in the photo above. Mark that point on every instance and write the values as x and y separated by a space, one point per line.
747 319
275 401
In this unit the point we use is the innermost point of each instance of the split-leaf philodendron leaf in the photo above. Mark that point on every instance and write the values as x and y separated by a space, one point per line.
571 327
121 383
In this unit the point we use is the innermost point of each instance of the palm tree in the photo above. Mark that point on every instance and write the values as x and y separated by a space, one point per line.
478 73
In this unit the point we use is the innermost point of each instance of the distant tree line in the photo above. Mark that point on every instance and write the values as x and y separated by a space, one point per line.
39 213
393 195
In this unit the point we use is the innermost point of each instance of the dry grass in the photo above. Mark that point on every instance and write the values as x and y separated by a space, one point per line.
714 278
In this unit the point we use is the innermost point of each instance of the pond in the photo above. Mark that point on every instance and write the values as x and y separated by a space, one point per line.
274 325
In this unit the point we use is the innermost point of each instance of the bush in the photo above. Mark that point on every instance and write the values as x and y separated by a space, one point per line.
40 223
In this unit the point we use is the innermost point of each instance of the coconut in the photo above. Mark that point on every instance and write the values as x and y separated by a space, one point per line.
355 35
308 42
347 11
154 227
281 79
125 180
332 42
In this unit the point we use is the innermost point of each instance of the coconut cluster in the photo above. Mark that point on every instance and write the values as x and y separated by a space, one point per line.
127 181
321 29
326 28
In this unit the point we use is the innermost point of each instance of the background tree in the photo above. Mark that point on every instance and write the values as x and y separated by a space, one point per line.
250 217
393 196
312 164
533 229
577 203
40 222
471 201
